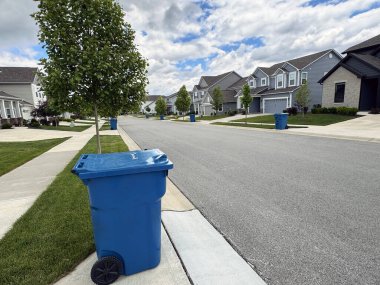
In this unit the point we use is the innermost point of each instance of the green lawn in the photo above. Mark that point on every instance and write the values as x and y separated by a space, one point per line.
210 118
55 234
309 119
270 127
14 154
105 127
66 128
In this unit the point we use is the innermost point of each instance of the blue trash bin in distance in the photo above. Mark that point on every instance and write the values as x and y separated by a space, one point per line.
125 191
192 118
281 121
113 123
161 117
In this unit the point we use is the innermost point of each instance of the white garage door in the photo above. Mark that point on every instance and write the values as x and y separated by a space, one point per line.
275 105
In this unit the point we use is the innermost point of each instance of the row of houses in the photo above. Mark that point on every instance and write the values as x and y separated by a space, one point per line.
19 93
333 81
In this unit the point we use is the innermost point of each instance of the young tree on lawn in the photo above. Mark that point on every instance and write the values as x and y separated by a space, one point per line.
303 97
246 99
160 106
216 99
183 101
92 61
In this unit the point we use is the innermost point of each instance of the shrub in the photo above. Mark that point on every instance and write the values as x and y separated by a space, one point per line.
375 111
44 122
293 111
6 126
232 112
34 124
346 111
332 110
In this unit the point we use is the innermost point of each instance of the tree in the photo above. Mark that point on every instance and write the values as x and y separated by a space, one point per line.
246 99
183 101
160 106
303 98
46 109
216 99
92 61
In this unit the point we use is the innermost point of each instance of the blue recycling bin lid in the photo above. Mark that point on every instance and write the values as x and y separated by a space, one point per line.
121 163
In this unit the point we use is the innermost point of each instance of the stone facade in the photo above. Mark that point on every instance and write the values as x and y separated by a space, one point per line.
352 89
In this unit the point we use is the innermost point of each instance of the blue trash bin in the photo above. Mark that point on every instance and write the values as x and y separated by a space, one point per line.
125 191
192 118
113 123
161 117
281 121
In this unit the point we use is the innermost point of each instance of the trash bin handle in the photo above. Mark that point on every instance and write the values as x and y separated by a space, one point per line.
160 158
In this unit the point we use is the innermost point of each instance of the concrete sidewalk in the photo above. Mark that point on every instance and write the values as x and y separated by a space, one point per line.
188 240
366 128
22 186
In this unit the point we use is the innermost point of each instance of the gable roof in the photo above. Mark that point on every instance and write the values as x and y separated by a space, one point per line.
239 84
299 62
17 74
211 80
279 91
6 95
364 45
367 59
153 97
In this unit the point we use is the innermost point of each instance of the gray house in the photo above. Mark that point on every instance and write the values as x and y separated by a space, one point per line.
22 82
201 95
355 80
273 88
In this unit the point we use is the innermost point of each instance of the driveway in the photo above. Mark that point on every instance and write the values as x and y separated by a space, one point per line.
366 127
301 209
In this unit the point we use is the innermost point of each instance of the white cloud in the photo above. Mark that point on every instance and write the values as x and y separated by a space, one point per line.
289 28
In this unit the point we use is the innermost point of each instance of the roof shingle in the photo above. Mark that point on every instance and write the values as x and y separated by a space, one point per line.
363 45
17 74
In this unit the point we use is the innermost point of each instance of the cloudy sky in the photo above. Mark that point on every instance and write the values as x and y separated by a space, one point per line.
185 39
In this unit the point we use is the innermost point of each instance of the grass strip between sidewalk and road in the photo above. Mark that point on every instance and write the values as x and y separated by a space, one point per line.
55 234
105 127
211 118
269 127
308 119
15 154
66 128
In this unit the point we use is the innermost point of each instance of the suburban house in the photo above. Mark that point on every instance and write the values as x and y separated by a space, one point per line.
355 80
151 103
201 95
11 109
170 103
22 82
274 88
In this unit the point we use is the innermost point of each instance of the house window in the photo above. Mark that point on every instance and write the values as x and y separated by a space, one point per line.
280 80
7 106
339 92
220 108
292 78
195 94
252 83
303 77
263 81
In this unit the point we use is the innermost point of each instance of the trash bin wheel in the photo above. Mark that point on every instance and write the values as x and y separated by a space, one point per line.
106 270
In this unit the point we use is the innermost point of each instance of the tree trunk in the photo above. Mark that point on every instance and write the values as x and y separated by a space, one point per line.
246 116
98 146
183 117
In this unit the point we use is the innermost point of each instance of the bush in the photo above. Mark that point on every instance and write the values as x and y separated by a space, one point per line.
291 111
44 122
6 126
34 124
232 112
375 111
332 110
346 111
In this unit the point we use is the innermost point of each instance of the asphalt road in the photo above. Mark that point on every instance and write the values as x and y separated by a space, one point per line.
302 210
